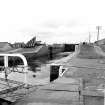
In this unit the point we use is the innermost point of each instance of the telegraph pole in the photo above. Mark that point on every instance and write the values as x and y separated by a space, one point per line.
89 37
98 31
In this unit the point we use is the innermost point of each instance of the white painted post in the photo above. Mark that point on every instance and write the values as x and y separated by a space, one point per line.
5 61
5 65
60 70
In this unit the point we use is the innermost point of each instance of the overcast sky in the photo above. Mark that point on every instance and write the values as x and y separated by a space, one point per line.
51 21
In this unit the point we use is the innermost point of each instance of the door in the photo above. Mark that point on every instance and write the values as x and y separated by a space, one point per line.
54 72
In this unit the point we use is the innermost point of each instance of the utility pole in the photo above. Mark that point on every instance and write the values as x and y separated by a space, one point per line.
98 31
89 38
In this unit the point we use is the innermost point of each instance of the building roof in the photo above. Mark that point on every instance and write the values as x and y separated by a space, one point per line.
102 41
3 44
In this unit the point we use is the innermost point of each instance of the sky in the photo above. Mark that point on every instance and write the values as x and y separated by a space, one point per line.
51 21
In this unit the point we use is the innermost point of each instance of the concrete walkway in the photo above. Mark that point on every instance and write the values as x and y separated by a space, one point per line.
53 94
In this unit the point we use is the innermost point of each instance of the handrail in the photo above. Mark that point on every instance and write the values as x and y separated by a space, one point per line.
14 55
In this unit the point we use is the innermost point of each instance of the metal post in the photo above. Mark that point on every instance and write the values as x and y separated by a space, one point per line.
5 61
25 79
5 66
